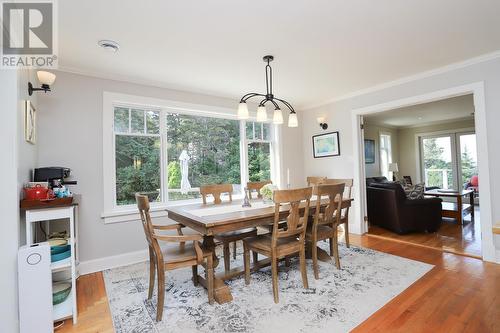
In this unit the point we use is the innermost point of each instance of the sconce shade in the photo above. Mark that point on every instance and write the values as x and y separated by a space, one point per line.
292 120
261 114
393 167
320 120
46 77
242 111
278 117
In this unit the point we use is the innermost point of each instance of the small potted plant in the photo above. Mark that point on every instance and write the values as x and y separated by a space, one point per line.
267 192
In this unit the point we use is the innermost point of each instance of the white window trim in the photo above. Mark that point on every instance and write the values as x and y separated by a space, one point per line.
116 214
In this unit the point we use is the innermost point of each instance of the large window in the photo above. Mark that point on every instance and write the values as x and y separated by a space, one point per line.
168 155
448 160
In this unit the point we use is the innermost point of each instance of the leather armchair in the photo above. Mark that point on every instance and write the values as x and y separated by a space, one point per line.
388 207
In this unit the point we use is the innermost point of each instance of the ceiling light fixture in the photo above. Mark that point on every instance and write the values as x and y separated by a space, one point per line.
268 97
109 45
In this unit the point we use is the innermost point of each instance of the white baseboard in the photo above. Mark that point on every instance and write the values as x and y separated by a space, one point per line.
97 265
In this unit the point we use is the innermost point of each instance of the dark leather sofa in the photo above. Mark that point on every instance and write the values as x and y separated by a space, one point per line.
389 208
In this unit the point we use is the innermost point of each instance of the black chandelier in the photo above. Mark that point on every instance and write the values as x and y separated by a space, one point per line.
268 97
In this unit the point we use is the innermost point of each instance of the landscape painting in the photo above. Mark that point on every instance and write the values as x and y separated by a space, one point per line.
325 145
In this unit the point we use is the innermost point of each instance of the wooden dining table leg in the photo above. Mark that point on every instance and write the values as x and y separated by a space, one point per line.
322 254
222 292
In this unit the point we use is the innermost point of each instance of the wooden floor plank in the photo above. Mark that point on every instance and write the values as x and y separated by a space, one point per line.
460 294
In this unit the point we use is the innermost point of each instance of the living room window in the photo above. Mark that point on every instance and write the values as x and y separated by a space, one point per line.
385 154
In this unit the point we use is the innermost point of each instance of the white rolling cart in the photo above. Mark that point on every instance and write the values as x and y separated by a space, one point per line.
67 267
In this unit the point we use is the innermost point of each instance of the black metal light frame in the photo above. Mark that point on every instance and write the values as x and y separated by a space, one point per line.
44 88
268 97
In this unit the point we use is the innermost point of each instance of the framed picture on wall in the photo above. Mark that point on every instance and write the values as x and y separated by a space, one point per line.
369 151
30 123
325 145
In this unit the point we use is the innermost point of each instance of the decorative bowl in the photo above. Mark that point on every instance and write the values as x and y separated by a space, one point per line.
60 291
66 253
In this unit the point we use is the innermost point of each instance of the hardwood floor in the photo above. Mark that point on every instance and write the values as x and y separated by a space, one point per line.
451 237
460 294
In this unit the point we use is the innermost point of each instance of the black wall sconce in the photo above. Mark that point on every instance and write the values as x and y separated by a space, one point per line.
322 123
45 78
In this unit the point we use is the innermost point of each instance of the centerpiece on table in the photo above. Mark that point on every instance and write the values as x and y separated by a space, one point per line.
267 192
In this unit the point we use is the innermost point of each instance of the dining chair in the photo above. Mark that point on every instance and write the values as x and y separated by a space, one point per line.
229 237
325 223
313 180
344 217
255 187
283 241
172 257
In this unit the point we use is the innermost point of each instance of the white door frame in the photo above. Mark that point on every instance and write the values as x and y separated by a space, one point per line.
477 89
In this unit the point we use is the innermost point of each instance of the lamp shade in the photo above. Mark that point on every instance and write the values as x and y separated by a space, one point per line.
261 114
278 117
292 120
46 77
242 111
393 167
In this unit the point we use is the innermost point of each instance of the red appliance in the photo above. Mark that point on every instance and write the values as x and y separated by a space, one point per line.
37 193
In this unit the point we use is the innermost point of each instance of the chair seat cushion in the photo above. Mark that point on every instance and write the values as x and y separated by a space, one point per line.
237 234
174 252
263 243
324 232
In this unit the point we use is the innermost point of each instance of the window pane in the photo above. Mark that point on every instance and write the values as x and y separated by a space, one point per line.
258 131
267 131
249 126
437 162
137 121
468 157
213 147
259 164
121 120
153 122
137 168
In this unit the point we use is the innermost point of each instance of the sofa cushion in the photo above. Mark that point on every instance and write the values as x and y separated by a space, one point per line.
414 191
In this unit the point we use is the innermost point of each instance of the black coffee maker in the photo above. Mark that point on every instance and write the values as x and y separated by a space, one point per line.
56 176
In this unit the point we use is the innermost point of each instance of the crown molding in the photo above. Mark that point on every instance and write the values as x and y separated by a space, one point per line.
419 76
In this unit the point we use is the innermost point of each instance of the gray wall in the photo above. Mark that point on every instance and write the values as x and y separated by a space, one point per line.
372 132
70 134
339 115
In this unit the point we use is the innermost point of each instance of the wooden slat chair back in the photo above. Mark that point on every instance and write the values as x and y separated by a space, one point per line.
346 195
313 180
295 224
216 190
325 223
173 257
284 242
256 186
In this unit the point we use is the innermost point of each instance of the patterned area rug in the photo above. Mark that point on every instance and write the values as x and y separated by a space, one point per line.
337 302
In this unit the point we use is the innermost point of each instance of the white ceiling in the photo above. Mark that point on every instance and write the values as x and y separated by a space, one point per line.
445 110
323 49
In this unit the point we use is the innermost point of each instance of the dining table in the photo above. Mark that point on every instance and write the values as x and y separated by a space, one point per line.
211 219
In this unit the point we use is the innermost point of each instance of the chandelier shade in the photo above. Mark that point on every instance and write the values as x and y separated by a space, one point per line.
268 97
